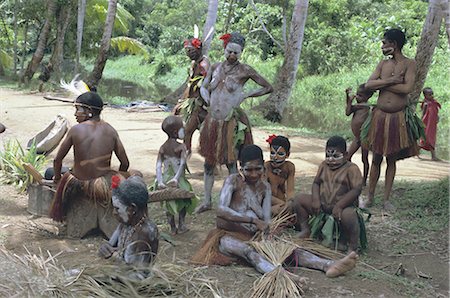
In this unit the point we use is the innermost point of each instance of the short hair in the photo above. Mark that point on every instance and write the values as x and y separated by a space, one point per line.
396 35
132 191
365 90
427 90
238 38
338 142
92 100
251 152
281 141
169 123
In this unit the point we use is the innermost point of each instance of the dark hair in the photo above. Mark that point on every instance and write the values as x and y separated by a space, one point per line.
93 100
283 142
132 190
397 36
365 91
171 122
427 90
338 142
238 38
251 152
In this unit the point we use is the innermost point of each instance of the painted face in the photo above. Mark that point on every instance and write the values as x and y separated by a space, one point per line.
253 171
181 133
120 210
233 52
81 113
278 155
387 47
334 158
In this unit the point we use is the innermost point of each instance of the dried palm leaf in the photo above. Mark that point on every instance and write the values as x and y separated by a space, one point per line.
169 194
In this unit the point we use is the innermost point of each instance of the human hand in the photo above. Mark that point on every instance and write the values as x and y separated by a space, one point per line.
260 224
348 90
337 212
161 185
397 78
173 182
106 250
315 206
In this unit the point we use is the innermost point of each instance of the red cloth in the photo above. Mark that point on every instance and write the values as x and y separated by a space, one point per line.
430 119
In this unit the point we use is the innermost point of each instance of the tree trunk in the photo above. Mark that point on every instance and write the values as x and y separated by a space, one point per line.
58 50
275 104
42 42
426 46
102 57
15 37
80 24
446 10
211 18
24 47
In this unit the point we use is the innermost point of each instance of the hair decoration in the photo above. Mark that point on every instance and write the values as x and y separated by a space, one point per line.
226 39
115 181
270 139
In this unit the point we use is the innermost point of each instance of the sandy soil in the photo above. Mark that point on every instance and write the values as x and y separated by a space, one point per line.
26 114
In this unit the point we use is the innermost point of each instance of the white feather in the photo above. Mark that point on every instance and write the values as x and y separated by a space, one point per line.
195 31
76 87
210 32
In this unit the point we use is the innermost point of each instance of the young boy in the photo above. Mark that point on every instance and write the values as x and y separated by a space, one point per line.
335 192
172 156
360 112
280 172
430 108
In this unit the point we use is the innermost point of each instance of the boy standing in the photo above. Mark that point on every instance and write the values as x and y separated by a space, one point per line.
335 191
430 108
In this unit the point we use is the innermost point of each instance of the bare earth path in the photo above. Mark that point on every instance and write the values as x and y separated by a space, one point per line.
26 114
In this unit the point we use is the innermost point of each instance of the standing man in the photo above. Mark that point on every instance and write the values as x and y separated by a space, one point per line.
93 141
388 132
226 127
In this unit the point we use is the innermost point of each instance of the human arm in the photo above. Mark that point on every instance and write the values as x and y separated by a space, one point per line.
315 191
348 108
266 87
62 152
181 167
119 150
107 249
354 180
290 182
407 83
204 89
159 175
375 81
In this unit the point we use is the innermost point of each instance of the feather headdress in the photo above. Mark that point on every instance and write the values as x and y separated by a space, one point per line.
75 87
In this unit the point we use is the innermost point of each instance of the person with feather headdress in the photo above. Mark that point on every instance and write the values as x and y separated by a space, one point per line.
93 141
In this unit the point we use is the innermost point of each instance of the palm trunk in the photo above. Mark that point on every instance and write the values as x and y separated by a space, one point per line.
446 10
15 38
426 46
275 104
58 50
211 18
80 24
24 47
42 43
102 57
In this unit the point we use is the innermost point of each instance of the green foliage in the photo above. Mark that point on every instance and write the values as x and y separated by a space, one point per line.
5 59
12 159
129 45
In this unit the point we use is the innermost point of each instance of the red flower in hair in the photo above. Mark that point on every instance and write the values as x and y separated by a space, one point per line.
270 139
195 42
226 39
115 181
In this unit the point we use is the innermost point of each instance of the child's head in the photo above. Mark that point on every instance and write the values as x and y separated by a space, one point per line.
427 92
173 127
336 152
252 163
279 149
363 94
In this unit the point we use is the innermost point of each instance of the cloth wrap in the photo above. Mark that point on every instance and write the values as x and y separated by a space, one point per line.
220 140
390 134
430 120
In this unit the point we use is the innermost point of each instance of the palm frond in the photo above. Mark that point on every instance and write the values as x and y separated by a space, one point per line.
129 45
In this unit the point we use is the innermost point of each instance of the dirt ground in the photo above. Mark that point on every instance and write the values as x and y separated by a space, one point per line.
26 114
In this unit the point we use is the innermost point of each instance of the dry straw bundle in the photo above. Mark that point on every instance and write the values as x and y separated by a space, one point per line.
278 282
169 193
36 276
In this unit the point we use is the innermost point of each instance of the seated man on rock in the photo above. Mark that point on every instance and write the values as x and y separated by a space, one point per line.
244 209
83 196
135 239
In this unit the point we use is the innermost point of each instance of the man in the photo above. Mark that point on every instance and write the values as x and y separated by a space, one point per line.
244 209
226 128
191 104
388 133
93 141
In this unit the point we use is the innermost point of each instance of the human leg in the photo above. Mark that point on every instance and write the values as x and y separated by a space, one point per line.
365 161
353 148
208 179
350 227
171 221
189 129
390 175
182 228
373 178
233 247
301 205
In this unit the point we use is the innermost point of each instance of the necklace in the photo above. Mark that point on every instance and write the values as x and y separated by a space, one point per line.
125 236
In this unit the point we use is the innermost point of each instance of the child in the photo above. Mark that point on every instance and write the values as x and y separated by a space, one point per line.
280 172
335 192
360 112
172 156
430 108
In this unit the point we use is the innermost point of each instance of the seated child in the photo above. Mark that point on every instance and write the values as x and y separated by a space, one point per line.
335 192
280 172
135 239
172 157
360 113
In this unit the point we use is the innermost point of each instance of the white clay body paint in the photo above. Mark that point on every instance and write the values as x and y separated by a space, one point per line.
181 133
121 209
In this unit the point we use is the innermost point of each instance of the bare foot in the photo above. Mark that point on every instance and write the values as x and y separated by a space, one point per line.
182 229
202 208
387 206
304 234
342 266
